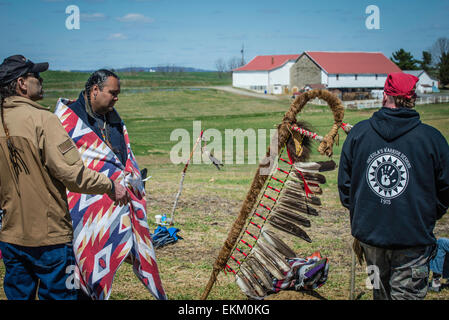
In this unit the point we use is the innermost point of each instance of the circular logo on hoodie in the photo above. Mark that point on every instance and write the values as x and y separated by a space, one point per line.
387 175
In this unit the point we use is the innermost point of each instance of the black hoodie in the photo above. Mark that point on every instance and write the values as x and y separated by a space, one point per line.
394 179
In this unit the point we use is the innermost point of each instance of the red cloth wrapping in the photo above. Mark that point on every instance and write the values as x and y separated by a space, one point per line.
400 84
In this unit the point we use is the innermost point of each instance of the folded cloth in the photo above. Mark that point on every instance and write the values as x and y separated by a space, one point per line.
163 236
305 274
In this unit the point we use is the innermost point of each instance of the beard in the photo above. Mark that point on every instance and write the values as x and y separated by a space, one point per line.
37 94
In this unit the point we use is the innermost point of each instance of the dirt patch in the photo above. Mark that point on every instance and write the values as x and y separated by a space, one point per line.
196 218
210 204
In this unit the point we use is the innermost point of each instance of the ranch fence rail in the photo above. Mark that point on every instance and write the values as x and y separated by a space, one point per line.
372 104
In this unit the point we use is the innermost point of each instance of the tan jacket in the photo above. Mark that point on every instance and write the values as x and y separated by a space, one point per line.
35 200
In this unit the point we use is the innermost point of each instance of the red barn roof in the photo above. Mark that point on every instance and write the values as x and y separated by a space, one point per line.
266 63
353 62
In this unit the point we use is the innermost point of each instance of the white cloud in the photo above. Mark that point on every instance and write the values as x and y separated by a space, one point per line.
117 36
92 16
135 17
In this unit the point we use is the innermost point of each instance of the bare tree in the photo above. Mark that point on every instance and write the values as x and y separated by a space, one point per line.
220 64
163 68
439 49
234 63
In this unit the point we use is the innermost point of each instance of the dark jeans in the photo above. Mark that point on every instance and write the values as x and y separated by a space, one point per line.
401 274
42 270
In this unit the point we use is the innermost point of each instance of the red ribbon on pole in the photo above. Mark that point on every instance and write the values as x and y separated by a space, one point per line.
306 186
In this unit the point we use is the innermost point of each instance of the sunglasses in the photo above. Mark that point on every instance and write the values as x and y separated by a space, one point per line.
36 75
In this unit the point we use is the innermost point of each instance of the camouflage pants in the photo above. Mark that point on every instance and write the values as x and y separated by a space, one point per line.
401 274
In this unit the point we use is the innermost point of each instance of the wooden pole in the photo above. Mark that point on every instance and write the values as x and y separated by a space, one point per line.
352 282
172 217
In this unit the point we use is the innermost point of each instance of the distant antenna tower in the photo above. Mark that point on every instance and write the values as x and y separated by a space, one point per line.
243 56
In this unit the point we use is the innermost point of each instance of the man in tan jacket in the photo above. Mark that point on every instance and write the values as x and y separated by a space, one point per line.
38 161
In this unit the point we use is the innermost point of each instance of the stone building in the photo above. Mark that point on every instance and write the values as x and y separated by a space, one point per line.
304 72
345 71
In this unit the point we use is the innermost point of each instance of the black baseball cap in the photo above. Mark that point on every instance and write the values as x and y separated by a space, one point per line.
16 66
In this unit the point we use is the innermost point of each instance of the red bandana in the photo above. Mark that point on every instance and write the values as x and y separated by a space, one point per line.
400 84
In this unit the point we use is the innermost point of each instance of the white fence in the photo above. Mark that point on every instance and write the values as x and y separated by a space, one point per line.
355 104
362 104
372 104
433 99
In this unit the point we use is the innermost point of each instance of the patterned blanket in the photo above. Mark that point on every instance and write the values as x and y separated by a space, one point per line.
105 234
305 274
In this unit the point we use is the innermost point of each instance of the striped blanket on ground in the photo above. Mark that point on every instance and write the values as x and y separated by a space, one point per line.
105 234
305 274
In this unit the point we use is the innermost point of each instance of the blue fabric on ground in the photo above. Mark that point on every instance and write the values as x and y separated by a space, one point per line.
163 236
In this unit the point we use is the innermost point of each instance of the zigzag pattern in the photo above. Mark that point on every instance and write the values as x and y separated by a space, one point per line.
105 234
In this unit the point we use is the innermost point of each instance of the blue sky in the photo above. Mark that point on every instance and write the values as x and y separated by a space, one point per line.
196 33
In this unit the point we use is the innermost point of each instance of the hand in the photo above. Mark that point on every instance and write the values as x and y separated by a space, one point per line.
120 195
387 174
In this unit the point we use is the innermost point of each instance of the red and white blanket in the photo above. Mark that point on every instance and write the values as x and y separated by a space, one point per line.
105 234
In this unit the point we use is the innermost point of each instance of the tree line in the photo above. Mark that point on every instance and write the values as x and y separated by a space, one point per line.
435 60
224 66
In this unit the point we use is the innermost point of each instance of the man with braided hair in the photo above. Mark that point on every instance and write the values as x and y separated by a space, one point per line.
38 161
394 179
95 106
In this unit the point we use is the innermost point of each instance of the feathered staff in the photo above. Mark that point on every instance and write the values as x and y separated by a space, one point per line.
283 133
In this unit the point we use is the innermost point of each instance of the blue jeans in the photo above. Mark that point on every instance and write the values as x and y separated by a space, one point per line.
42 270
437 264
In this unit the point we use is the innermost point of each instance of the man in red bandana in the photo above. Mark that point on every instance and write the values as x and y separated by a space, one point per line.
401 84
394 179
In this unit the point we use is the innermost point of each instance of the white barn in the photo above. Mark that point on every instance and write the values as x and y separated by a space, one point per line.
268 74
425 84
346 71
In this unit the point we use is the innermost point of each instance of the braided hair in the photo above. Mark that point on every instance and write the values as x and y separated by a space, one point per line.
19 165
98 78
403 102
6 91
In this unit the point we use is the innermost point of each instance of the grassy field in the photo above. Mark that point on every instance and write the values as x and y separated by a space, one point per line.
63 80
211 199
